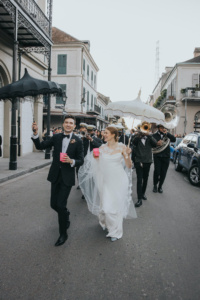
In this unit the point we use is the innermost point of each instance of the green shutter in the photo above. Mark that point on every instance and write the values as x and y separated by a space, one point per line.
62 64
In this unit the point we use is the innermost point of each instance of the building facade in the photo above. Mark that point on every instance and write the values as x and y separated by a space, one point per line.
74 68
25 41
180 86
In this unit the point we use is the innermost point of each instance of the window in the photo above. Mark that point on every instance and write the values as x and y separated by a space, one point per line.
83 96
84 67
187 139
92 78
59 99
198 143
1 81
95 101
62 64
95 81
88 100
88 72
195 80
45 100
91 101
194 140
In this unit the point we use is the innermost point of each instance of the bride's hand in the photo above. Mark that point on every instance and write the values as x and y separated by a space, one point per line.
95 156
126 151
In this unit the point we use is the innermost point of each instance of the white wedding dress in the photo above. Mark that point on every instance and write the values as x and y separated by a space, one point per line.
107 186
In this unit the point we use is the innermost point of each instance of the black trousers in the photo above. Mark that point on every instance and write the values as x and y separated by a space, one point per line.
161 165
59 195
142 171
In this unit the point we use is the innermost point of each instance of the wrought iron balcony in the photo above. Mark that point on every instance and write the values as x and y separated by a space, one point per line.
96 110
190 92
34 27
36 14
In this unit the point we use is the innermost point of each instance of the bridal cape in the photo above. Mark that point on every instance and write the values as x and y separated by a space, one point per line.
106 184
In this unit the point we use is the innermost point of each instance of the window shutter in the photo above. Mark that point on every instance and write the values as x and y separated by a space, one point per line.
88 100
91 101
195 80
84 96
62 64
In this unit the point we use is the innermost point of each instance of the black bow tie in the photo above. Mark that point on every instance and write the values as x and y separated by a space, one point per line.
65 136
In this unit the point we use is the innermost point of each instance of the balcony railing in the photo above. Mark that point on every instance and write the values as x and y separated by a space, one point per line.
190 93
36 14
95 110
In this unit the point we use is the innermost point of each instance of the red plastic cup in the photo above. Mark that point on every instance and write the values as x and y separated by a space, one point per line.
96 152
62 156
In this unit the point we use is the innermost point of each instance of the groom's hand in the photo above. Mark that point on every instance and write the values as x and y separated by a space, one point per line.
67 159
35 128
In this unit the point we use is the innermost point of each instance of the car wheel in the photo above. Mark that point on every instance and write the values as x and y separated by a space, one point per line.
178 168
193 175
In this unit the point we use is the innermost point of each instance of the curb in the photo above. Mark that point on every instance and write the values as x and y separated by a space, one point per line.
9 177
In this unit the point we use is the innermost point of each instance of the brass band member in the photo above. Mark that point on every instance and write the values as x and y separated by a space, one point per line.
161 157
143 142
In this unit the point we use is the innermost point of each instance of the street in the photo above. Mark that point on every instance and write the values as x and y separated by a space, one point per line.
157 258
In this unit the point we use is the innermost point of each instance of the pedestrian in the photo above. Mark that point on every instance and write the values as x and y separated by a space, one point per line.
102 137
68 154
107 186
161 158
123 138
59 130
143 143
132 146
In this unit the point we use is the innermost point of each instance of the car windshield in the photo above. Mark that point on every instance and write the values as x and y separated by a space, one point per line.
198 145
178 140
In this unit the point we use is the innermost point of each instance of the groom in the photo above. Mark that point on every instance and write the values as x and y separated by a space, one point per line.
62 174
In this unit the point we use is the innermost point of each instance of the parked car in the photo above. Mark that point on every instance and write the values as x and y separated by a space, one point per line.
188 157
173 147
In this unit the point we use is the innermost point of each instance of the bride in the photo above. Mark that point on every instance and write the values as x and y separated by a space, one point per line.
106 183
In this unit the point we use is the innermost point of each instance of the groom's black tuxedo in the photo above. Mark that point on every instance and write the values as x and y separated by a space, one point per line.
74 151
62 175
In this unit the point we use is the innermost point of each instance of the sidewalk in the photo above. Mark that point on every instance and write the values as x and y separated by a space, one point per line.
25 164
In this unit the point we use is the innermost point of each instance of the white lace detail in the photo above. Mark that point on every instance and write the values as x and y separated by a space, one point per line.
107 150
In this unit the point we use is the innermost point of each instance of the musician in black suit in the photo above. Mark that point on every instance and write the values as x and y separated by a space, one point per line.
143 159
123 138
161 159
62 174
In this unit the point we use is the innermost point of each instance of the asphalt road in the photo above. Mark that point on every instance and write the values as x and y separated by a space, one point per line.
157 258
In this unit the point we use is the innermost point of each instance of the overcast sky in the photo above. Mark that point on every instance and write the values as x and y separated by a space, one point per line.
123 36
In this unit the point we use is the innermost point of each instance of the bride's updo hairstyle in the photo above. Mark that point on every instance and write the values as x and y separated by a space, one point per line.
114 131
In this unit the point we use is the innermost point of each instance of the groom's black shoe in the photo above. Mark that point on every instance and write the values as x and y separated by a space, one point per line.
139 203
61 240
155 189
144 197
160 190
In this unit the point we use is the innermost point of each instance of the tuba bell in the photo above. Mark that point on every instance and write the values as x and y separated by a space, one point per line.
144 128
172 117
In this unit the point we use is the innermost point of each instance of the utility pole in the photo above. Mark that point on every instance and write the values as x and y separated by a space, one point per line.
157 71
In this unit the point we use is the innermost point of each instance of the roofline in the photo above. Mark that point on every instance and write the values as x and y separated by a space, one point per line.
77 44
175 67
